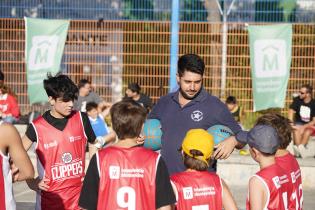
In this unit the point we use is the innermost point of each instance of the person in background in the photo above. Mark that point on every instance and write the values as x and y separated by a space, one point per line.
1 77
86 95
126 175
237 112
134 92
268 187
234 108
302 114
99 126
21 169
9 108
207 189
284 158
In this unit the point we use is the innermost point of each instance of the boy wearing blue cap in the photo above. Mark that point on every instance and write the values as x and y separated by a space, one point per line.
196 188
269 187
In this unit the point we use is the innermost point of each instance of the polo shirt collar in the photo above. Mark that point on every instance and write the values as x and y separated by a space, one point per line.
202 95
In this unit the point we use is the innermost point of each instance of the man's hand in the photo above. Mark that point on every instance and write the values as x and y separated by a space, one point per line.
225 148
38 184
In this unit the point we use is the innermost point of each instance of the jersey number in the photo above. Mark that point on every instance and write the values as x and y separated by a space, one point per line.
130 202
297 196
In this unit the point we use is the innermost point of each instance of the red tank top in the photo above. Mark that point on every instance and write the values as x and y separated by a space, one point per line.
127 178
61 159
197 190
289 164
277 183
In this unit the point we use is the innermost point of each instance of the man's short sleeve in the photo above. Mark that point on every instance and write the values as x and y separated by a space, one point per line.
88 128
95 98
89 193
295 104
30 133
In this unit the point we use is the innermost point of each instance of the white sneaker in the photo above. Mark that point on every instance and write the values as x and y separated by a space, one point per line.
296 151
305 152
290 148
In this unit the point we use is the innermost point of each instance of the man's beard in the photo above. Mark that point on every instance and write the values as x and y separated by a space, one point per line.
187 97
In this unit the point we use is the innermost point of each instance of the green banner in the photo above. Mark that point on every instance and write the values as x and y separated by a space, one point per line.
270 59
44 44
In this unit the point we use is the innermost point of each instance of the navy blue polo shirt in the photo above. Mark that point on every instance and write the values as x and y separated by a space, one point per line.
203 111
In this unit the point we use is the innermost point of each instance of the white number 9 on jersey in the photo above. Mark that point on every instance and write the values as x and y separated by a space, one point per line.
128 192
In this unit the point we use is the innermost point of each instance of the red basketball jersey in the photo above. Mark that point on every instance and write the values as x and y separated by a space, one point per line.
289 164
200 190
277 183
127 178
7 201
61 159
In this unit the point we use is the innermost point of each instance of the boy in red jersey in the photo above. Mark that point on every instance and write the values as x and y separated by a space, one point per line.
284 159
126 175
60 135
11 147
268 187
196 188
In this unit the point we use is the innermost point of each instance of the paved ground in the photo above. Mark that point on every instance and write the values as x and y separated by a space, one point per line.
26 198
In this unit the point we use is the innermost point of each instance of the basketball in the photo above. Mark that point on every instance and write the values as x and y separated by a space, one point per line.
219 133
152 134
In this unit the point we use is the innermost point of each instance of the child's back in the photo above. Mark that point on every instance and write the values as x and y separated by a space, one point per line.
197 189
290 165
275 179
127 172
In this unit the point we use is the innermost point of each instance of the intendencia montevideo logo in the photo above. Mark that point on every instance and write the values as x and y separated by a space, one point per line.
42 52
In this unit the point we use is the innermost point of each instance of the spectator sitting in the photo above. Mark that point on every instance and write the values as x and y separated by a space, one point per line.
236 111
86 95
134 92
9 108
302 113
234 108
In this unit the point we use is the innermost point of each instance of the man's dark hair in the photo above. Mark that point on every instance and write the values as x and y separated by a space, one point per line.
230 100
90 106
134 87
1 76
194 163
280 124
192 63
127 119
60 86
83 82
308 88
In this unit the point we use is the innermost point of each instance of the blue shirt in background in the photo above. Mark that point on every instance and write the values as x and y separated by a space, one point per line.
99 126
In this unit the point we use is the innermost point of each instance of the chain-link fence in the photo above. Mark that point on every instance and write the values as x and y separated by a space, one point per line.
141 49
160 10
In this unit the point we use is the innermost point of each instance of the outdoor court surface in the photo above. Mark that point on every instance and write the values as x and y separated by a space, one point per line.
25 198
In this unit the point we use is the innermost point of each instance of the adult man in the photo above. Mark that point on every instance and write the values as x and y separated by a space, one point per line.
133 92
61 135
191 107
302 113
11 147
86 95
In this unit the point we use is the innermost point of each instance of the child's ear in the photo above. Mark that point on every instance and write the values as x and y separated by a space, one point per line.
255 152
51 101
140 139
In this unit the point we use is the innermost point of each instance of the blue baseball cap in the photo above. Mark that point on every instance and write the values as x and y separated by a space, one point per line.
264 138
